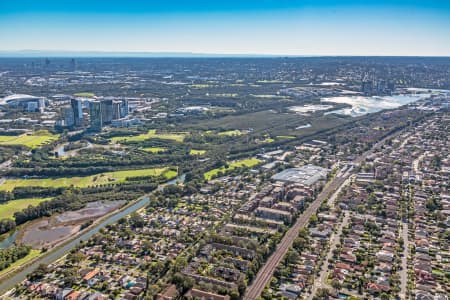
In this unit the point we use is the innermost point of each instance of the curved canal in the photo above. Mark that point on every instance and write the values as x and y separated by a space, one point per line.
53 255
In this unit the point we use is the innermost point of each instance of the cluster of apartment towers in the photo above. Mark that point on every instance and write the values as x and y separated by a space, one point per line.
101 112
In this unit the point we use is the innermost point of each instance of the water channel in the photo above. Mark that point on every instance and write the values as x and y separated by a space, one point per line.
9 282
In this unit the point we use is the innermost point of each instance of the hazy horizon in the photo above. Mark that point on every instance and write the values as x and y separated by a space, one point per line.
37 53
269 27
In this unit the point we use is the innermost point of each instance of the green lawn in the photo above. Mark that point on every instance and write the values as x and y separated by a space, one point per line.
99 179
154 149
84 94
33 254
231 132
8 209
231 166
151 134
197 152
34 140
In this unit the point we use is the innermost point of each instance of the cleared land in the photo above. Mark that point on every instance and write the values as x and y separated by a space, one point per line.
98 179
49 231
231 166
197 152
8 209
151 134
32 141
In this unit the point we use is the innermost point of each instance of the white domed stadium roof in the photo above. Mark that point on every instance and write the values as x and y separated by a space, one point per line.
17 98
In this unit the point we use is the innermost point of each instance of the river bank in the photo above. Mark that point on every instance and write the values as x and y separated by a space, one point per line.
15 276
48 232
9 279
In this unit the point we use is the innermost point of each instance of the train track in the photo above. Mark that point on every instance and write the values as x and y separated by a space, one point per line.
264 275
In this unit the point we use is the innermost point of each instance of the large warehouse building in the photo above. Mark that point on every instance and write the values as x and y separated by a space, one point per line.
308 175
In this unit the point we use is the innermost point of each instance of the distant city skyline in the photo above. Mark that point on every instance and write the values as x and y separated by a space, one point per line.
250 27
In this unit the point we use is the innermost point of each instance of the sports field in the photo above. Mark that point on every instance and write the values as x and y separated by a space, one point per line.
151 134
99 179
34 140
231 166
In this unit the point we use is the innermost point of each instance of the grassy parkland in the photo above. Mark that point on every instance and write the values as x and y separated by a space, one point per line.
33 140
8 209
85 181
247 163
154 149
151 134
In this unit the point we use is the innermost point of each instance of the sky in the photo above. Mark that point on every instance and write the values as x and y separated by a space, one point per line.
274 27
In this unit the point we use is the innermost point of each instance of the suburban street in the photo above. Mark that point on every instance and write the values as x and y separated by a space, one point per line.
404 271
224 150
321 281
265 273
331 190
331 201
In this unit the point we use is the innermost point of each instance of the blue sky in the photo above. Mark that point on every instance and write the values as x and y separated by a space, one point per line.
291 27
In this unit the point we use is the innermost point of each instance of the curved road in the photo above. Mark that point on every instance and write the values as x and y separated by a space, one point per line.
334 240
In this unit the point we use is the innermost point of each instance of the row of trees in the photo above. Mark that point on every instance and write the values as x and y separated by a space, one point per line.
141 183
8 152
10 255
6 225
76 199
87 166
28 192
72 198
